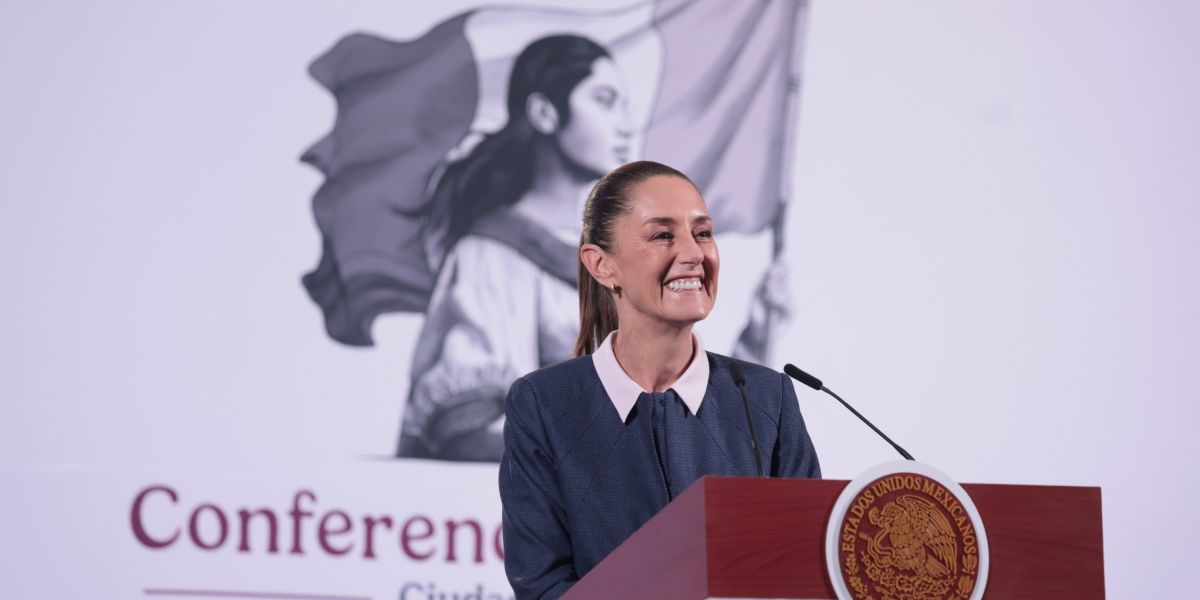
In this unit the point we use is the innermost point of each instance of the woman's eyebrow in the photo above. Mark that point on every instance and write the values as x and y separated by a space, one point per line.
660 221
701 219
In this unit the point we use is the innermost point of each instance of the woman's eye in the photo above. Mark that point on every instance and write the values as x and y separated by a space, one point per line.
704 234
607 97
662 235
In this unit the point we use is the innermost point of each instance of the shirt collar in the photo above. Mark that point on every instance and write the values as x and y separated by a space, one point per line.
624 391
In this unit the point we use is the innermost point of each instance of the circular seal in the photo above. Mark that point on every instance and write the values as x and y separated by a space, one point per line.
906 530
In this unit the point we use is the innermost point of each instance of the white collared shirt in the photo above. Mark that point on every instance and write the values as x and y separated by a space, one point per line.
624 391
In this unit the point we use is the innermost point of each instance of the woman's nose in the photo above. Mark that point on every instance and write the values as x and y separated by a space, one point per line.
690 252
625 125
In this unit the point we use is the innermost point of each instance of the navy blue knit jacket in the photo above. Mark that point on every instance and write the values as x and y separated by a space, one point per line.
575 481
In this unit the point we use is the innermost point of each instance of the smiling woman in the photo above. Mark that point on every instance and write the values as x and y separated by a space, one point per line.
595 446
668 261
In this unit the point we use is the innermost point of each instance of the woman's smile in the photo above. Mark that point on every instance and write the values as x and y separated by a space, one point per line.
686 285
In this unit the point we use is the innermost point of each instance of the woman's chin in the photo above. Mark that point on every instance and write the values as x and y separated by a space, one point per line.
688 314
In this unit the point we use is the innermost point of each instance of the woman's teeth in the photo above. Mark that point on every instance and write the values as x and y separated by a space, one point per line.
680 285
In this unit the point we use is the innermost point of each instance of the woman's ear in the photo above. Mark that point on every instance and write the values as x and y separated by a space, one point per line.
541 113
599 264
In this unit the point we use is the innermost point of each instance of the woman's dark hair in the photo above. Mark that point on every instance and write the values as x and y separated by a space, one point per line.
500 169
607 202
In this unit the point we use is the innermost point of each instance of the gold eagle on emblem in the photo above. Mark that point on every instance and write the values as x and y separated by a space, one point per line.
913 536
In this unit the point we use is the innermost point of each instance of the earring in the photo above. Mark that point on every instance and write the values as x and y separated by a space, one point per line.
616 289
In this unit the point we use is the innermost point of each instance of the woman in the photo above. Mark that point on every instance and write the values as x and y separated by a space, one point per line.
509 214
595 446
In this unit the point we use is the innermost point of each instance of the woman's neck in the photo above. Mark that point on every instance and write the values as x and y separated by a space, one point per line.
556 197
654 355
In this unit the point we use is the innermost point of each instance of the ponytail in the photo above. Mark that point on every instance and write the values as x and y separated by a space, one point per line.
608 200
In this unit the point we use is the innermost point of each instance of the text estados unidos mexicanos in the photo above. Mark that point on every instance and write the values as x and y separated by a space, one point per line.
305 528
929 487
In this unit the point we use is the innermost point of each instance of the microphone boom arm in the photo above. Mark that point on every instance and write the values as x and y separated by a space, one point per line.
795 373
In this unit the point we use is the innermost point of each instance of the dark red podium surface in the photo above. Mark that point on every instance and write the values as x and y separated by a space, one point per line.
737 537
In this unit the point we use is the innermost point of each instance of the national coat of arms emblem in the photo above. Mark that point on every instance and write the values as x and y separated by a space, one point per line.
904 530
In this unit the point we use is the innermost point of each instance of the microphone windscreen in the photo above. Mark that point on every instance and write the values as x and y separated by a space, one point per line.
795 373
736 370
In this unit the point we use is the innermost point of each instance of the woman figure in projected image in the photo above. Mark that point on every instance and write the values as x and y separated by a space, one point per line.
504 301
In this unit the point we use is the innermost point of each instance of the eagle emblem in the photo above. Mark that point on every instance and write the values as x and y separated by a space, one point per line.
913 537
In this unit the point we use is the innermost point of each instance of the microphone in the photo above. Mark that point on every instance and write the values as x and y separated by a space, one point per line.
740 380
795 373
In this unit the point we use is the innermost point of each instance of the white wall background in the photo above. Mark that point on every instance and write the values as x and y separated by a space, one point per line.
992 244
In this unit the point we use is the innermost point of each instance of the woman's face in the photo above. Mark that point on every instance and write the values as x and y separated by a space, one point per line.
596 138
664 257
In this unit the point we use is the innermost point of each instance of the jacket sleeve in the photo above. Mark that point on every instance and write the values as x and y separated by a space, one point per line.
537 549
794 454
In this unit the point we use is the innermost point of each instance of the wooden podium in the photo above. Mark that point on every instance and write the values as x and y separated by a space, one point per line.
737 537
